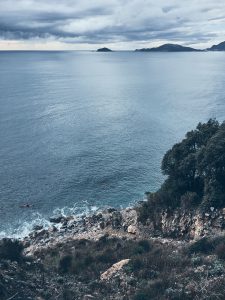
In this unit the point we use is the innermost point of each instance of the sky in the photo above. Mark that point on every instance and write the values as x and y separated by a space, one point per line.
117 24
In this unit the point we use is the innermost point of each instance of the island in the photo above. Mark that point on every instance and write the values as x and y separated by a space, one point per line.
219 47
104 50
168 48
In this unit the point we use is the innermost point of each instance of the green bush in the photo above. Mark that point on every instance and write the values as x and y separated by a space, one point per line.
195 173
220 250
216 269
65 263
154 290
189 200
136 264
142 296
11 249
203 245
145 245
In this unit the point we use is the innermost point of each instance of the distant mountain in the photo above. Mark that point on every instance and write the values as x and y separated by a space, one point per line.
168 48
104 50
219 47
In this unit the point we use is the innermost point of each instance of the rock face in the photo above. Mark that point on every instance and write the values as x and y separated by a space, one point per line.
169 48
189 224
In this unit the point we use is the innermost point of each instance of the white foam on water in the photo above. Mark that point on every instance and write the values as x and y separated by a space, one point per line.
24 228
83 208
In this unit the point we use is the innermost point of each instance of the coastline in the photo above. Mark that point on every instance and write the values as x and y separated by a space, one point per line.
115 222
108 255
179 225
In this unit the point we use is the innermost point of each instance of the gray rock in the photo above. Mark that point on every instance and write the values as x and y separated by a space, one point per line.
116 219
56 219
37 227
132 229
101 225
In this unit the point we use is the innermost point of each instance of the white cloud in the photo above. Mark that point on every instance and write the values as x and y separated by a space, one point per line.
122 23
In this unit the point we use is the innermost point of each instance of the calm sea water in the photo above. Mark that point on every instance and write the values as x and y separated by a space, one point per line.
81 130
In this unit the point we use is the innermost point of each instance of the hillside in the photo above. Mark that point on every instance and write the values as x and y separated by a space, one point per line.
168 48
219 47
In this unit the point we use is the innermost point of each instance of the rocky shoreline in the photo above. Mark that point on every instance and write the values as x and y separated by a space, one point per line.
186 225
109 221
110 254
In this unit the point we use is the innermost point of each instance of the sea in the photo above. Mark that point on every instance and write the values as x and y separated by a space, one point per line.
82 131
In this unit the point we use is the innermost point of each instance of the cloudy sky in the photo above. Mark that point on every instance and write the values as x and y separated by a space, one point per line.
119 24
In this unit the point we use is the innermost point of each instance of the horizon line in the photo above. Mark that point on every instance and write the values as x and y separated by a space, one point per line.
120 50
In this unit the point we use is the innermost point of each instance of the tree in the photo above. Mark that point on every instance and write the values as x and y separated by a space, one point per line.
195 170
196 165
211 166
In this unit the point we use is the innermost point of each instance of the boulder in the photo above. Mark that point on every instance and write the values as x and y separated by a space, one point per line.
132 229
56 219
37 227
114 269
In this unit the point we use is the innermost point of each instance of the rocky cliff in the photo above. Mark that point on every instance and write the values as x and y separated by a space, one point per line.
188 224
111 255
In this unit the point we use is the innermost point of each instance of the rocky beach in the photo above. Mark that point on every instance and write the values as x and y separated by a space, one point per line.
112 255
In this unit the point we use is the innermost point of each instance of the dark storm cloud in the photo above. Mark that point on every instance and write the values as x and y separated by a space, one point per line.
99 21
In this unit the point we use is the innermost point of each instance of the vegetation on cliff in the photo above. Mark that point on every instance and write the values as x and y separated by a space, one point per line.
195 170
156 269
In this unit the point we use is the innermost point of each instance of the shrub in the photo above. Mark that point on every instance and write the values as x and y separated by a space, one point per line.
203 245
195 173
106 257
154 290
65 263
141 296
216 269
196 260
67 294
103 239
145 245
220 251
189 199
148 208
136 264
11 249
2 290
